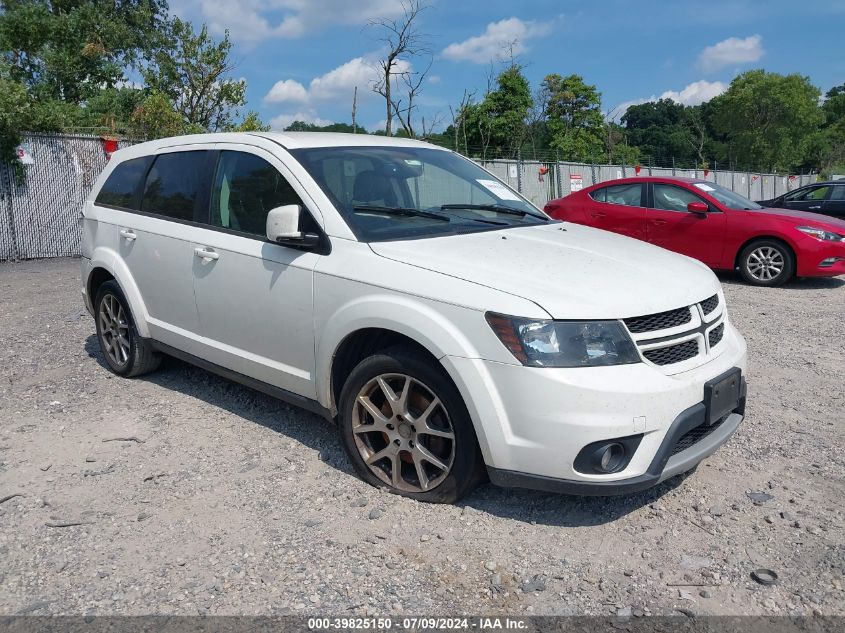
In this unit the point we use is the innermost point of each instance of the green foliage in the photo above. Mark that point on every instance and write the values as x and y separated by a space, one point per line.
192 71
498 125
573 117
661 131
251 123
767 120
155 117
66 50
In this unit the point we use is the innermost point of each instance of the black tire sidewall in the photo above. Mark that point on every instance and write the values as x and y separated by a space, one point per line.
467 463
112 288
788 269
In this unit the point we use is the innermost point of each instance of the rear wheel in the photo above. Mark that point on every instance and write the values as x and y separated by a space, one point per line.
766 263
126 353
406 428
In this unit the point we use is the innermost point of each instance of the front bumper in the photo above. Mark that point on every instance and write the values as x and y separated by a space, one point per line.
817 258
533 422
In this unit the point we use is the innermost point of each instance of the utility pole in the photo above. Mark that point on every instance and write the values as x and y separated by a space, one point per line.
354 110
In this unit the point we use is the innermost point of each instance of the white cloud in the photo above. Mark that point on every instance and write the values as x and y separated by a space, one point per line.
731 52
497 39
281 121
338 83
251 21
287 91
693 94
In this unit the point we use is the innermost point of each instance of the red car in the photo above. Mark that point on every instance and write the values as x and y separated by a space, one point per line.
712 224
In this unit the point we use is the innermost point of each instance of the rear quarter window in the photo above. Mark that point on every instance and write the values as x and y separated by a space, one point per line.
123 184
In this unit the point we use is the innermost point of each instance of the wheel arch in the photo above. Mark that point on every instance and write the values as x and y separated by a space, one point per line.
106 265
763 238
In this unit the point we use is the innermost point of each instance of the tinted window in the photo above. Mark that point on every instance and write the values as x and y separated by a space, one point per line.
173 184
671 198
122 184
813 193
838 192
245 189
629 195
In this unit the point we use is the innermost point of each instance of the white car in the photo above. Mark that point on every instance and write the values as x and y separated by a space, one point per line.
450 328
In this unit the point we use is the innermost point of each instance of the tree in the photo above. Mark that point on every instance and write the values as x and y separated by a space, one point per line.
767 120
830 143
573 116
302 126
192 71
251 123
155 118
499 124
663 131
403 42
68 50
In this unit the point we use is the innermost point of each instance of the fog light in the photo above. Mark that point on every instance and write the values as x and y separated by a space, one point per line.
612 456
830 261
607 456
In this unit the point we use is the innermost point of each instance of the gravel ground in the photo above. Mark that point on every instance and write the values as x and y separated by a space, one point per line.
183 493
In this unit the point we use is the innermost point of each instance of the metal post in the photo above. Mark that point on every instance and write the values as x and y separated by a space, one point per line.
673 165
519 170
8 169
558 179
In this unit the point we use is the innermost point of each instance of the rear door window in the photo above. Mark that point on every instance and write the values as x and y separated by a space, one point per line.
122 187
174 184
630 195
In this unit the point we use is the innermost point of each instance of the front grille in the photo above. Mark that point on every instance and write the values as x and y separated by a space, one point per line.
673 353
708 305
695 435
659 321
716 334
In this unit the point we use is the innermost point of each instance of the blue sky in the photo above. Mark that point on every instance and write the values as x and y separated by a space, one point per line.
302 58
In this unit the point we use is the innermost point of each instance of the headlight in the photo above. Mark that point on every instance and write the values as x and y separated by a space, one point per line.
564 343
827 236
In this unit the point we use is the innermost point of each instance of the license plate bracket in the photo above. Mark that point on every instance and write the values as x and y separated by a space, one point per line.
722 394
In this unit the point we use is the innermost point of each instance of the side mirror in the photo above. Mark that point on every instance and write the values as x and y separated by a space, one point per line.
283 227
698 208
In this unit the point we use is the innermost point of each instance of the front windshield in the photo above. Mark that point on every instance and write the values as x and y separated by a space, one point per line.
727 197
388 193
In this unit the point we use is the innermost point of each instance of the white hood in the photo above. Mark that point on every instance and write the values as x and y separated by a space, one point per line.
571 271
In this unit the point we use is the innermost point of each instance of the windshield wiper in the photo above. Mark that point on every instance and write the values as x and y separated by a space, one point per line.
403 211
500 208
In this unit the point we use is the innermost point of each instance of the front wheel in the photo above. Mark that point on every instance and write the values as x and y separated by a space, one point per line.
405 428
766 263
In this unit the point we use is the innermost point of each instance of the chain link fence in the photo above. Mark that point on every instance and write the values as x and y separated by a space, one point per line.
39 213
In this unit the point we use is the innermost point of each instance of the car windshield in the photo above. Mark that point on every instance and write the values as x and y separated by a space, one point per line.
389 193
727 197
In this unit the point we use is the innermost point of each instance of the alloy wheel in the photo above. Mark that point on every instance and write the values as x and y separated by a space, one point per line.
403 432
765 263
114 330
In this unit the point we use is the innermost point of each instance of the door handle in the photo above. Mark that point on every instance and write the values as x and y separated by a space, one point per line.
128 235
658 222
206 254
598 214
816 207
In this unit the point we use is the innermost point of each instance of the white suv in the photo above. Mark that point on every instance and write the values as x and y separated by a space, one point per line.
449 327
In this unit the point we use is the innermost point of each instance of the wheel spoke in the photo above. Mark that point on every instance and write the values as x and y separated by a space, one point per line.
421 475
424 427
373 410
387 451
388 392
430 457
396 470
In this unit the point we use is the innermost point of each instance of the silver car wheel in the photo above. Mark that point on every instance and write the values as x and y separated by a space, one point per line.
765 263
114 330
403 433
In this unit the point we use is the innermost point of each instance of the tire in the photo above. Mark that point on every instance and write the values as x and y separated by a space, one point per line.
127 354
412 431
767 263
